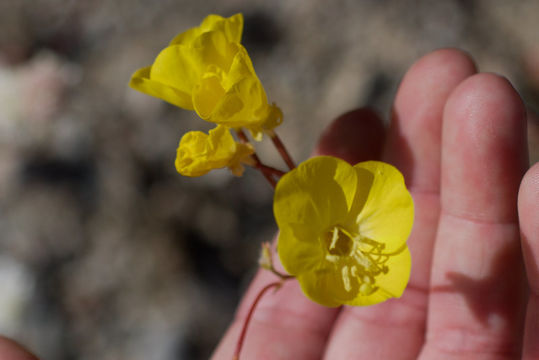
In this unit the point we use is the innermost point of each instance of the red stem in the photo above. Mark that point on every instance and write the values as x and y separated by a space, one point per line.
250 315
242 135
267 171
266 174
282 150
271 170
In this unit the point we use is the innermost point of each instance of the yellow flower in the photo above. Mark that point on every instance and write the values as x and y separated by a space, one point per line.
199 153
343 230
236 98
206 69
179 66
231 27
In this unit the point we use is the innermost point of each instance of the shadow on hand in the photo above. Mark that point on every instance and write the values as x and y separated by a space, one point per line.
502 292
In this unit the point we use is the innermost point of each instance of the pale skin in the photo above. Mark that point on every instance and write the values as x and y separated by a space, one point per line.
459 138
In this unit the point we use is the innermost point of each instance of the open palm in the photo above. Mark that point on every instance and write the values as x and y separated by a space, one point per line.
459 138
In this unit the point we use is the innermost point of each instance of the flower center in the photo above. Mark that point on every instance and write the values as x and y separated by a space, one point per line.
366 258
338 242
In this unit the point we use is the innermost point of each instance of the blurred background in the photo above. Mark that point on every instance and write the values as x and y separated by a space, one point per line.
106 252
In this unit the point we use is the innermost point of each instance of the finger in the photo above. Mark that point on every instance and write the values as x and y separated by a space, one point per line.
286 325
528 212
395 329
10 350
355 136
476 298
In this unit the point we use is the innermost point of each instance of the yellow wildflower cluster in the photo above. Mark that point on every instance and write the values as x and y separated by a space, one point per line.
206 69
343 228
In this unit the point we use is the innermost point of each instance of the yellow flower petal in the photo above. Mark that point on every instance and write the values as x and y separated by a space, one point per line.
179 67
273 117
240 68
394 284
214 50
235 108
244 99
319 192
388 213
141 81
199 153
296 250
232 27
236 98
390 285
322 286
207 94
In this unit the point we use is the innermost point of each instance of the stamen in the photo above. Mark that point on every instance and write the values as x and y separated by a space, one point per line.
368 255
337 242
354 271
376 265
332 258
346 278
362 260
334 238
366 289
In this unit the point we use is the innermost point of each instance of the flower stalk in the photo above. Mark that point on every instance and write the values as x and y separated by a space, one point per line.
265 262
239 344
269 172
282 150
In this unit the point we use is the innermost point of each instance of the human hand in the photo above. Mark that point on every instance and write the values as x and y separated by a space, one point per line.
10 350
459 138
